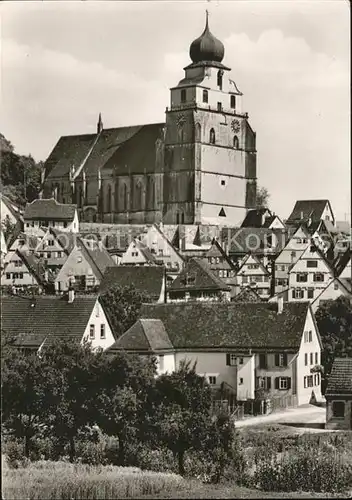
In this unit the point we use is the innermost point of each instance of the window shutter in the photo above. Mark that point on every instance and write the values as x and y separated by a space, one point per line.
288 382
228 362
285 359
277 382
277 360
268 383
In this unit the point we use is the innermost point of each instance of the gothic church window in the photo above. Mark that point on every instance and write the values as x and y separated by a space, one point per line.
235 142
212 136
108 200
124 198
205 96
138 196
183 95
233 102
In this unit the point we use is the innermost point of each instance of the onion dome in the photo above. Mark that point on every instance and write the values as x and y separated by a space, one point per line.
206 47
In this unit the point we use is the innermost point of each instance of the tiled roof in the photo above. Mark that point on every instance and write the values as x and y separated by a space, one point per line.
342 261
36 267
231 325
340 380
347 283
254 218
147 254
247 294
126 149
197 275
144 335
49 209
65 238
216 251
255 240
145 279
12 207
309 209
256 260
50 316
115 236
98 258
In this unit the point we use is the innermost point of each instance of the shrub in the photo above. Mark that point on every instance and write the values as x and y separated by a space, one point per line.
15 456
305 470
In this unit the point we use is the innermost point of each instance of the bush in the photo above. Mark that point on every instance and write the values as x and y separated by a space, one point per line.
48 480
15 457
305 470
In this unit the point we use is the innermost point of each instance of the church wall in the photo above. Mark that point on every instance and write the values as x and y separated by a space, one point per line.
223 160
223 190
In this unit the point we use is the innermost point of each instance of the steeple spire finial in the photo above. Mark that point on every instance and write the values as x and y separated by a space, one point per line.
99 124
206 19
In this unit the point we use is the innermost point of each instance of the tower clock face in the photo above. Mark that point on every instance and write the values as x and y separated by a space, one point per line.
180 120
236 126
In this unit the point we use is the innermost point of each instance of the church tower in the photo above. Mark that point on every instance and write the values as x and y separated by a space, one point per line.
210 150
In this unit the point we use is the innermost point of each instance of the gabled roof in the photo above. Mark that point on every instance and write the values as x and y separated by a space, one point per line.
147 254
309 209
145 279
36 267
145 335
203 325
320 255
49 209
343 283
340 380
247 294
98 258
66 239
243 240
256 260
197 275
216 251
12 207
342 261
33 319
125 149
163 235
254 218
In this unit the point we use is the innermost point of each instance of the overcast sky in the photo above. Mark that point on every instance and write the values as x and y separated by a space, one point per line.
63 62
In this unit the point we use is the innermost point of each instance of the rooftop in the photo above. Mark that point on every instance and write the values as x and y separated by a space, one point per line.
340 380
49 209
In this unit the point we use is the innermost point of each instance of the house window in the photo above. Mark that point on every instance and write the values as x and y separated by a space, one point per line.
310 336
241 361
233 101
225 273
212 380
316 358
241 381
183 95
338 409
79 260
59 255
318 277
205 96
102 331
219 106
312 263
283 383
244 279
302 277
306 359
20 276
236 143
212 136
91 331
65 223
336 286
8 276
297 293
281 359
161 362
220 274
310 380
310 293
231 359
263 361
311 358
316 379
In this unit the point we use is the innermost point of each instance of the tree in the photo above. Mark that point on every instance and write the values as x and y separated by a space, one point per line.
334 319
124 404
8 228
123 305
75 384
182 415
262 199
24 393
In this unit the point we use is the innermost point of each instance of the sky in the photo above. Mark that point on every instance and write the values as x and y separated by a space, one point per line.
64 62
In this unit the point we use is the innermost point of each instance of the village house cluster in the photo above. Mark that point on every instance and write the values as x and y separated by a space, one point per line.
171 209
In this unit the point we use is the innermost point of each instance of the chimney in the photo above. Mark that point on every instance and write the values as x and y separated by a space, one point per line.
71 295
280 304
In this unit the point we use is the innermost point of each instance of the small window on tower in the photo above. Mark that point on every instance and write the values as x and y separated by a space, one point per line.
220 73
233 101
183 95
205 96
223 182
219 106
235 142
212 136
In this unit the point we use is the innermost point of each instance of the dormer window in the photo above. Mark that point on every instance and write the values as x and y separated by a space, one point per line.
183 95
205 96
233 102
212 136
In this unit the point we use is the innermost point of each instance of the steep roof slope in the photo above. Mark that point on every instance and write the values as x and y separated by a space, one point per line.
237 325
49 209
144 335
309 209
197 275
145 279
